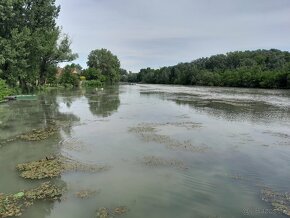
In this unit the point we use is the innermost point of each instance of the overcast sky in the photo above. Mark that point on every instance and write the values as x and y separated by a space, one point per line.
156 33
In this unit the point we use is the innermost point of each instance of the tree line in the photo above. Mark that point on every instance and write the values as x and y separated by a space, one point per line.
254 69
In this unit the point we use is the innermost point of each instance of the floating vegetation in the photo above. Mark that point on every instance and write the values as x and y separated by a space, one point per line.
108 213
84 194
120 210
34 135
149 127
12 205
39 134
103 213
142 129
154 161
235 176
149 133
187 125
54 167
279 201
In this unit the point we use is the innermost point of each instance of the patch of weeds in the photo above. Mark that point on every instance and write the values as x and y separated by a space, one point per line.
85 194
39 134
149 133
54 167
154 161
109 213
12 205
279 201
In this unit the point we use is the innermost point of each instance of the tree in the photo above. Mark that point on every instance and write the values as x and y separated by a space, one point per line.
30 42
4 90
68 78
107 63
93 74
260 69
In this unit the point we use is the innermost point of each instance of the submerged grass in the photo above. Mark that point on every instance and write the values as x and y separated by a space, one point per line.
33 135
108 213
85 194
12 205
148 132
153 161
54 167
279 201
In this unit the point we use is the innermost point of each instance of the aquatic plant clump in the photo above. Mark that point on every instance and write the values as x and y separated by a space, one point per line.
12 205
39 134
84 194
109 213
34 135
54 167
153 161
148 132
279 201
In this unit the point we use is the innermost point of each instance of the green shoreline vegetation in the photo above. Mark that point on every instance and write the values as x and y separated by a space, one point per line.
248 69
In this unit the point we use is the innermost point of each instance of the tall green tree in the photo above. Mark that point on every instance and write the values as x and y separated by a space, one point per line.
107 63
30 41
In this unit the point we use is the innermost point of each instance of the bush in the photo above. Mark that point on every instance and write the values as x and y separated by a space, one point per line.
68 79
4 90
82 78
92 83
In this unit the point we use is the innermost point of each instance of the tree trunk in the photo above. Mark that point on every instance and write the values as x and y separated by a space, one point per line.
43 73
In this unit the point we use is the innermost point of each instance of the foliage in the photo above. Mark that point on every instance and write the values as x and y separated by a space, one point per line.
106 63
69 79
257 69
93 83
30 42
93 74
4 90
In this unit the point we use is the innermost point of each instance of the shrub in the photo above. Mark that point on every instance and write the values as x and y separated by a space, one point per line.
4 90
68 79
93 83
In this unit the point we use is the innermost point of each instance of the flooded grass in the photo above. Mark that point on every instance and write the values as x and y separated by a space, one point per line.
279 201
148 132
108 213
189 139
153 161
39 134
12 205
54 167
85 194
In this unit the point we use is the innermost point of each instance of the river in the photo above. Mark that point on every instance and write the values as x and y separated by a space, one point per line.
171 151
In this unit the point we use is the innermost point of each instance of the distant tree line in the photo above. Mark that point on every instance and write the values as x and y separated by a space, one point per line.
256 69
31 43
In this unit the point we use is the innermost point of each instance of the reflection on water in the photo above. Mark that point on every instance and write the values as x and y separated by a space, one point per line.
105 102
229 103
146 134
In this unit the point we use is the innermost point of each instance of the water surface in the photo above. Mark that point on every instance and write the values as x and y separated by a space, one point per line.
227 144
